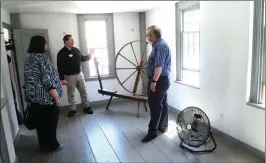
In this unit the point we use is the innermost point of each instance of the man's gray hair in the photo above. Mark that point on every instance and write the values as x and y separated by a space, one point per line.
155 31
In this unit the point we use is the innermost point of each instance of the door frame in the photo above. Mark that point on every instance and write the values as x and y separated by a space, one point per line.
21 52
19 87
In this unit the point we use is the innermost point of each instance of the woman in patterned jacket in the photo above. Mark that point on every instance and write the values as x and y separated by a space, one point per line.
43 91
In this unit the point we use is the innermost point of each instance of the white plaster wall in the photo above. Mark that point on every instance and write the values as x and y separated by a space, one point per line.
126 29
224 54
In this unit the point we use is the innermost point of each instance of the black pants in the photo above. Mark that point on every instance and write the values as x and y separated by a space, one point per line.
158 104
46 117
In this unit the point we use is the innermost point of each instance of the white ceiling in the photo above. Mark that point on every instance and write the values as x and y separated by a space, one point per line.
81 7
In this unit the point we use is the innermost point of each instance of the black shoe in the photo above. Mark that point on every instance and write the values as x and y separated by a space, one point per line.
61 146
71 113
88 110
164 130
149 137
48 150
45 150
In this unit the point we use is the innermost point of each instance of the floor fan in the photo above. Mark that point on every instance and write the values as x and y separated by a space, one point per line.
194 130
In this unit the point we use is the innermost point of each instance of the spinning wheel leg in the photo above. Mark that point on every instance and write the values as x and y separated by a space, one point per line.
109 102
146 109
138 109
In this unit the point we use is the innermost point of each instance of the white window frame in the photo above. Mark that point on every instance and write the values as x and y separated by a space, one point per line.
110 41
258 74
179 8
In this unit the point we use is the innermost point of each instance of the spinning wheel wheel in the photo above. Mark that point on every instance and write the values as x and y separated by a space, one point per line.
131 74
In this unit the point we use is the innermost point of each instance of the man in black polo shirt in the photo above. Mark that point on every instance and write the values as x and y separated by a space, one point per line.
69 61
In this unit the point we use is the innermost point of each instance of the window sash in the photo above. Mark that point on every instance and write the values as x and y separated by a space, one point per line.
110 40
188 55
258 53
182 7
92 67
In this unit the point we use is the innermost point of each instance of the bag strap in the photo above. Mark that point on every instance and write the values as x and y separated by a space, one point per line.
27 108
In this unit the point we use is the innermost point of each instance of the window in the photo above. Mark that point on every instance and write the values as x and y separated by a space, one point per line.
6 34
96 31
257 89
96 37
188 42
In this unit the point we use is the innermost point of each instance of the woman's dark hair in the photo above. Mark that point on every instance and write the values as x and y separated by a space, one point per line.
66 37
37 44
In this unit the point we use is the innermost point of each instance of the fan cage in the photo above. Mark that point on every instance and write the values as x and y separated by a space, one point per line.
186 127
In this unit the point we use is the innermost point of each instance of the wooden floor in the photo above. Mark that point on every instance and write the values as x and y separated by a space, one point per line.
115 136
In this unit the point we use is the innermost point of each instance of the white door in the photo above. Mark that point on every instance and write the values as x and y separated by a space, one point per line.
22 39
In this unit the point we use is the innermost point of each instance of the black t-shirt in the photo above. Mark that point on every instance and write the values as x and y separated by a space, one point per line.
8 58
69 61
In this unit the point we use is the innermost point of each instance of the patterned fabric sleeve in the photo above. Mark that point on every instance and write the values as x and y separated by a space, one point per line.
46 74
29 83
160 55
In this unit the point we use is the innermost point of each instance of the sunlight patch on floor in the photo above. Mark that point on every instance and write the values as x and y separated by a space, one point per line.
172 132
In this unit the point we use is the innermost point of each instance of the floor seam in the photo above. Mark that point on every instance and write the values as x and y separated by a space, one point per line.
107 139
127 138
69 141
157 147
88 140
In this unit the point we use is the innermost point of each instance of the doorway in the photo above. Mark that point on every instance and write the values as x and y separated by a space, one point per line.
13 70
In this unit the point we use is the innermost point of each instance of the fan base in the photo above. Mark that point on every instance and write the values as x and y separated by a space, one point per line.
200 151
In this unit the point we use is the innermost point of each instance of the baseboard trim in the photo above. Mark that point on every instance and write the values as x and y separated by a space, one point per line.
97 104
16 140
16 160
229 140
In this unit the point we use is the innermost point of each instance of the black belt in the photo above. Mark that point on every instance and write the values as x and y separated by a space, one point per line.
72 74
162 77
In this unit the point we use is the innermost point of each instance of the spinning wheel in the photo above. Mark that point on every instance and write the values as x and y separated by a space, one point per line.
130 71
131 74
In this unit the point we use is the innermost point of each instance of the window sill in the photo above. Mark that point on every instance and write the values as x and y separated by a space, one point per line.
106 77
185 84
259 106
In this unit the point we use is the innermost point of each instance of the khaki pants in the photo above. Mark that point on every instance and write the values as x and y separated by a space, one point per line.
73 82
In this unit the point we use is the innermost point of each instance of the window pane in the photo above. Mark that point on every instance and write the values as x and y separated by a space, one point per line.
190 53
190 77
102 58
96 37
191 19
262 86
93 71
6 34
257 92
264 13
190 47
262 95
263 64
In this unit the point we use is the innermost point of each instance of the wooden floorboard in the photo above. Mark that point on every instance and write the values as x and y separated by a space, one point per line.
115 136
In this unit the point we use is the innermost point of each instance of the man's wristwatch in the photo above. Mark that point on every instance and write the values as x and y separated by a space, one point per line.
153 81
